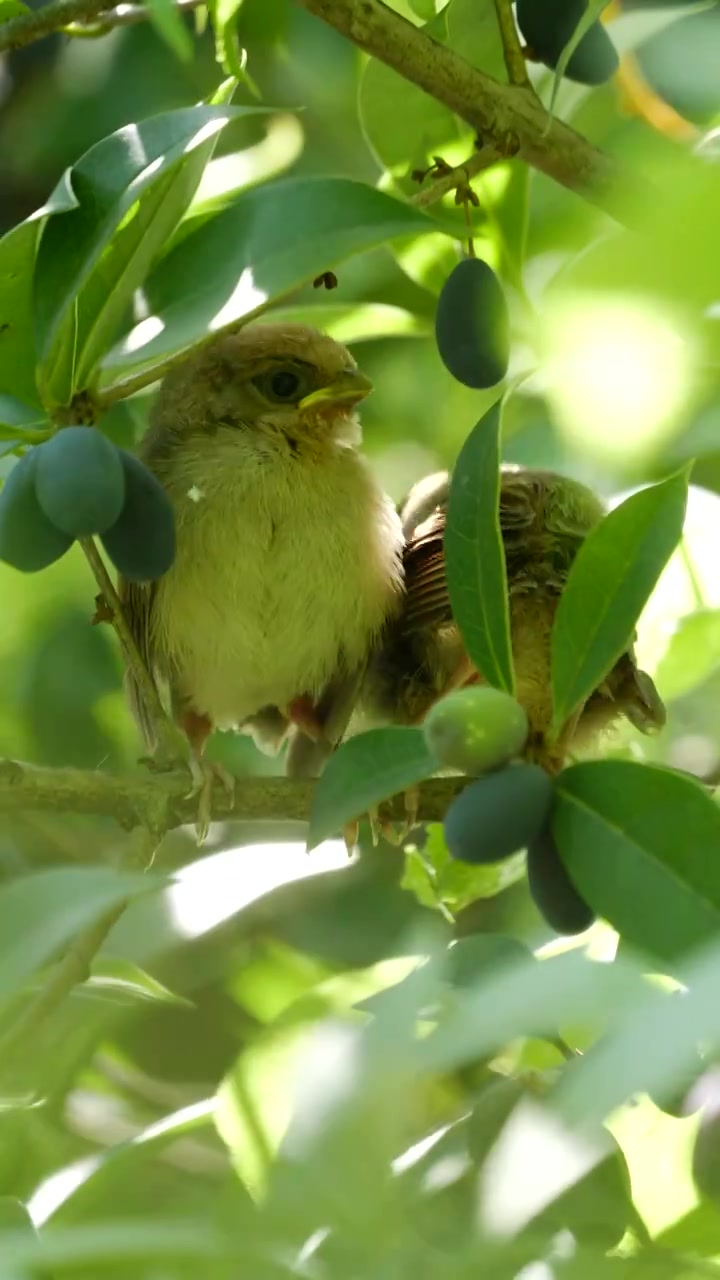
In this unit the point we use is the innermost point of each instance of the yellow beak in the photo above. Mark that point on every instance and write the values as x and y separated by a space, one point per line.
351 386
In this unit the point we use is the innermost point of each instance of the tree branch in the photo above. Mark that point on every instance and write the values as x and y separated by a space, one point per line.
509 117
514 59
160 801
60 14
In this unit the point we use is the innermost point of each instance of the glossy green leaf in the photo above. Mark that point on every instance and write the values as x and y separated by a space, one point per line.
115 976
273 239
131 190
475 556
42 912
642 846
692 655
609 584
589 17
363 772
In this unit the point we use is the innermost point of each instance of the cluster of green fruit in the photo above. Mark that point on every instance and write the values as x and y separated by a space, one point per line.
78 484
482 731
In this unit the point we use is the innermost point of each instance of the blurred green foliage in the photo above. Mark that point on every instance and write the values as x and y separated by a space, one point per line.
289 1065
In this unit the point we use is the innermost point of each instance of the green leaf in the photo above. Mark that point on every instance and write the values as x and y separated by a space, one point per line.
474 32
122 1240
42 912
12 9
17 343
692 655
475 556
592 13
642 846
130 190
167 20
362 773
273 239
609 584
356 321
439 881
116 976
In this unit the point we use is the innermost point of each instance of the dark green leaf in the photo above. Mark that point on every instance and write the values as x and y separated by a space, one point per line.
609 584
273 239
17 343
475 556
42 912
363 772
130 191
642 845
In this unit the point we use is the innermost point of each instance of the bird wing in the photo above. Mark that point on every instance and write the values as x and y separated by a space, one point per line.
137 602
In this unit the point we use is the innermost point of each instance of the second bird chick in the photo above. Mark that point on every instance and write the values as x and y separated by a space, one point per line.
544 518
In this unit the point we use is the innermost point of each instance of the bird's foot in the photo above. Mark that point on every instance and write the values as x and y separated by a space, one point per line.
394 832
205 774
302 712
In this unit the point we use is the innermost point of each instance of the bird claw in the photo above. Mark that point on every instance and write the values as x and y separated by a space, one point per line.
205 774
380 825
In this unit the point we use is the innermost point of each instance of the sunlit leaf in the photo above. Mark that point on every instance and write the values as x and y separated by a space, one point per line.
641 845
609 584
692 655
168 22
271 240
131 190
474 553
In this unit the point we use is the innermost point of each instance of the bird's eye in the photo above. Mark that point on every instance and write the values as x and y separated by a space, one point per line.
284 384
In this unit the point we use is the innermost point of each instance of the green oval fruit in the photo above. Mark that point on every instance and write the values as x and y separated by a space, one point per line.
28 540
552 890
472 325
548 26
499 814
476 729
141 543
705 1096
80 482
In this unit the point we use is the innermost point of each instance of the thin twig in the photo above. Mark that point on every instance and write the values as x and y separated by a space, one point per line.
74 967
505 116
462 173
123 15
170 744
512 48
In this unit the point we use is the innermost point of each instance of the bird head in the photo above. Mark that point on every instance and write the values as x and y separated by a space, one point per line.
278 379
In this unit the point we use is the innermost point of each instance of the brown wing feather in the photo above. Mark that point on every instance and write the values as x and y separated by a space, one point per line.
137 602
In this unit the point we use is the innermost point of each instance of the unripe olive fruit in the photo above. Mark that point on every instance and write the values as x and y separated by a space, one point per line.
598 1208
472 325
476 729
28 540
141 542
80 482
552 890
499 814
548 25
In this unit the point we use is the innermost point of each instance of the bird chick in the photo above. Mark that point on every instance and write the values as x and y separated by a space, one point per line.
544 518
288 560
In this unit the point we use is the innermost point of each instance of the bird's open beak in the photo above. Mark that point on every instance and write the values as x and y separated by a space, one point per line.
351 386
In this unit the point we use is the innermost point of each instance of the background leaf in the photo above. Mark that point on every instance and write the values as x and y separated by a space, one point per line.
641 844
608 586
271 240
367 769
475 556
692 655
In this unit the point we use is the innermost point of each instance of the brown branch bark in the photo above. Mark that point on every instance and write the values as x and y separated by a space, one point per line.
508 117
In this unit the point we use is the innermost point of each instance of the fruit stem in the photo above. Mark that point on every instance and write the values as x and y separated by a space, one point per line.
512 48
170 743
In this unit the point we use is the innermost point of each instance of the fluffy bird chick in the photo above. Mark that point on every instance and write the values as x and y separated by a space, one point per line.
288 560
544 518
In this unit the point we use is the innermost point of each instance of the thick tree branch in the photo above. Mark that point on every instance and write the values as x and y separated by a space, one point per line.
509 117
160 801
